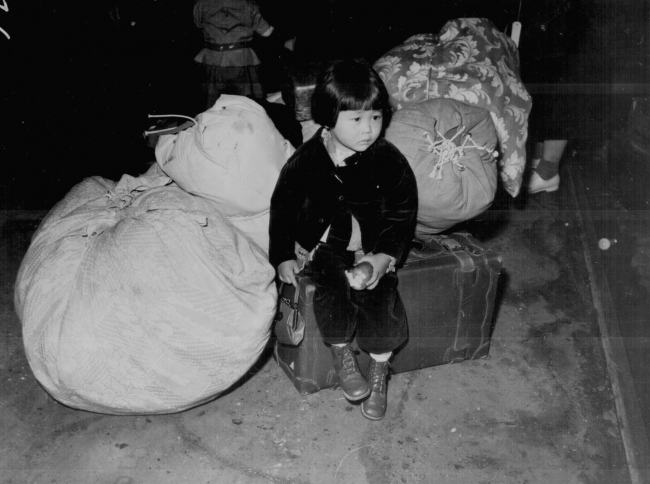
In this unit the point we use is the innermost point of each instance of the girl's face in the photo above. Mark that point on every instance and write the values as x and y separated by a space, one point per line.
356 130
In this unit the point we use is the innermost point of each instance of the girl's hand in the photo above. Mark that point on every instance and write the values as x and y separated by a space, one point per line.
287 272
379 263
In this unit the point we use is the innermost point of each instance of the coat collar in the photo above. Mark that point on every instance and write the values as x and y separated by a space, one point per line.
319 145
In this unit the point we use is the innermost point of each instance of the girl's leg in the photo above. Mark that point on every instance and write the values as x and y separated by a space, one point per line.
381 328
381 323
336 316
374 407
335 312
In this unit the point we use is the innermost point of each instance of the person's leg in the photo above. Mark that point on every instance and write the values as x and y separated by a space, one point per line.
335 313
381 328
242 81
546 176
374 407
336 316
538 152
381 322
253 83
212 84
549 166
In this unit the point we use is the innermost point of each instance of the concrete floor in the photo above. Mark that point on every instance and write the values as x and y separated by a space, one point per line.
539 409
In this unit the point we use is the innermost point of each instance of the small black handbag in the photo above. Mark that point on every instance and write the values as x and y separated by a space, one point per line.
289 323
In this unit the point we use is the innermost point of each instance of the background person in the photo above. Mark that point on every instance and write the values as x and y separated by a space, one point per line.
230 65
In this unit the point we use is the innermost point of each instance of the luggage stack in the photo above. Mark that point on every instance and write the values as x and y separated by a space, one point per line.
448 284
298 87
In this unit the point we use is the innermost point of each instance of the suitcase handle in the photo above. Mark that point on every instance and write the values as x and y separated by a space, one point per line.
467 273
418 245
447 243
450 244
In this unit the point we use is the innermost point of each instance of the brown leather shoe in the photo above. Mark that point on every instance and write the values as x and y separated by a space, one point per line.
374 407
352 382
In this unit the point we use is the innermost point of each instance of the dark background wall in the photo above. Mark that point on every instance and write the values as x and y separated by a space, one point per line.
78 79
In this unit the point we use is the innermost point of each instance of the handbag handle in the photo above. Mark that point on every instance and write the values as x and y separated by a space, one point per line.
293 329
293 305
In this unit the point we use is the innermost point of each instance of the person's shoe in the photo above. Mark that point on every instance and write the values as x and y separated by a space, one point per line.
352 383
374 407
538 184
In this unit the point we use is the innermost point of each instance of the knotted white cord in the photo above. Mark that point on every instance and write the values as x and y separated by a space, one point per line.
447 151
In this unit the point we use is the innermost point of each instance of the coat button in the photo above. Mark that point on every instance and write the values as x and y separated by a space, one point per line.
320 220
341 198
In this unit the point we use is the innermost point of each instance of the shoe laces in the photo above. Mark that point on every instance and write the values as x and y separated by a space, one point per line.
349 365
377 376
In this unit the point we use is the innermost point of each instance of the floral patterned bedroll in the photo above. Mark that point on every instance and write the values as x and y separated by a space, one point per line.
473 62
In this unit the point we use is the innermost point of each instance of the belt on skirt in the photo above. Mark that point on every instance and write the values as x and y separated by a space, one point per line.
222 47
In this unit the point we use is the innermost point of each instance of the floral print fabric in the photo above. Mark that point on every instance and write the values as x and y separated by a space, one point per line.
472 62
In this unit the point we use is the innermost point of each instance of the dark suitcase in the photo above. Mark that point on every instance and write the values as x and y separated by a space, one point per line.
298 86
448 285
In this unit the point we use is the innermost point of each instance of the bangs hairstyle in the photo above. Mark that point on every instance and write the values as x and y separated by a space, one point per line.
351 85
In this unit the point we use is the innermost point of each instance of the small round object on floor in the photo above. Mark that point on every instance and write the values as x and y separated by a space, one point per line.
605 243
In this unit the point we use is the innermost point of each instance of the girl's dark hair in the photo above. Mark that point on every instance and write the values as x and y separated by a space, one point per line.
349 85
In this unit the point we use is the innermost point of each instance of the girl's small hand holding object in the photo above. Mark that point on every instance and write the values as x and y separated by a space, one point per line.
379 263
359 275
287 272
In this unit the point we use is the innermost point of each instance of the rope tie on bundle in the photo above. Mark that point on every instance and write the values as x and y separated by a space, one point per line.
448 151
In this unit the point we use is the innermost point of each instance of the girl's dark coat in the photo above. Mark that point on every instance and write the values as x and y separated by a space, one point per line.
377 186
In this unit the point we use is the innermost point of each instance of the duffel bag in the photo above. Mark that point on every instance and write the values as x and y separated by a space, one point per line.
450 147
139 298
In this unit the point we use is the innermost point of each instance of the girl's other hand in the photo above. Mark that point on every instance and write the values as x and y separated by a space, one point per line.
379 263
287 272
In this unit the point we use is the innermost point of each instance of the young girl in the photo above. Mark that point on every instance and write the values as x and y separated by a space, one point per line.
347 191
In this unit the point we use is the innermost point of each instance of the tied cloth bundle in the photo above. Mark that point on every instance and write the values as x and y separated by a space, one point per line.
448 151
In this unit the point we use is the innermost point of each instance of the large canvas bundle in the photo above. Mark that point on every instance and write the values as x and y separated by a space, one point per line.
450 146
139 298
470 61
232 155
